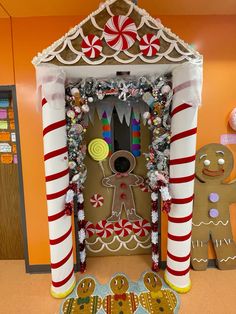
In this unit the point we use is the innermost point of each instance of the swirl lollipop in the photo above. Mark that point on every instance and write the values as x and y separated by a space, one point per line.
98 149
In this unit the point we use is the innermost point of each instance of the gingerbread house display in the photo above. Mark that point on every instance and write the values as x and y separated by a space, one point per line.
77 76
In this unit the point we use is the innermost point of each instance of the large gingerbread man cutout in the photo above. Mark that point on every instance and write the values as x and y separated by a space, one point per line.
211 216
122 163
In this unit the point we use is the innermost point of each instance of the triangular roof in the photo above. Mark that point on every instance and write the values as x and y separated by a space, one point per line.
67 50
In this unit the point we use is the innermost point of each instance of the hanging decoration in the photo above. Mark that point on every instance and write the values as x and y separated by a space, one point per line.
158 120
106 131
91 46
120 32
97 200
149 45
76 109
135 147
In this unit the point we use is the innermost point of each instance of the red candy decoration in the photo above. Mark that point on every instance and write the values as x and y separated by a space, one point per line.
91 46
120 32
104 229
141 228
89 229
149 45
97 200
123 228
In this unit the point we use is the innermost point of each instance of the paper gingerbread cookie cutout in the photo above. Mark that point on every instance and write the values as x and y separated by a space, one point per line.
85 302
122 163
157 299
211 216
121 301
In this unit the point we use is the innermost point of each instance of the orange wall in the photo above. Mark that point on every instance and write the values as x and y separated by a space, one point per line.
214 38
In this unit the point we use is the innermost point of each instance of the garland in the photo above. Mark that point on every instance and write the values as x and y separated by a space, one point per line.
76 109
158 120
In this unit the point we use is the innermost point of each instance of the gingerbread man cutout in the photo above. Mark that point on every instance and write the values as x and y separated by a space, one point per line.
122 163
86 302
211 216
157 300
122 302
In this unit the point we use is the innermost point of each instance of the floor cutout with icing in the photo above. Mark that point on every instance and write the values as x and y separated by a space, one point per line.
122 296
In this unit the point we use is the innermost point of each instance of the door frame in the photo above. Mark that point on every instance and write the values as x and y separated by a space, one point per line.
11 90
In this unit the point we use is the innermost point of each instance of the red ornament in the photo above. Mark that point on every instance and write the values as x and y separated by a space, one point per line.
92 46
120 32
149 45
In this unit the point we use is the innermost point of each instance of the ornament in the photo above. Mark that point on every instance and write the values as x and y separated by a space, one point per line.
98 149
85 108
90 99
104 229
91 46
165 89
97 200
72 164
141 228
70 114
149 45
120 32
123 228
74 91
146 115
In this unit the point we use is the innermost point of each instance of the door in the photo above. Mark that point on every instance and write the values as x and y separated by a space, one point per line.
128 231
11 237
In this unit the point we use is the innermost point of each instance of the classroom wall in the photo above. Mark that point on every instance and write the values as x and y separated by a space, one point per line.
213 36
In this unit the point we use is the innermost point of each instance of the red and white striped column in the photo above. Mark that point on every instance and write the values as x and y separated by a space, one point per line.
187 81
51 82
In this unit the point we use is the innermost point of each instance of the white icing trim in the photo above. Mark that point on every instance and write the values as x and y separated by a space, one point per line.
200 260
211 222
122 244
226 260
49 53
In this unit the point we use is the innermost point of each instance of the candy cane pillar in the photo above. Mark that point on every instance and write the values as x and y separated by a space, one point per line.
51 84
187 81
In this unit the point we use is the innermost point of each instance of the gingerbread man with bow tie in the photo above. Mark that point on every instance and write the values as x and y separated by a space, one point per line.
121 301
122 163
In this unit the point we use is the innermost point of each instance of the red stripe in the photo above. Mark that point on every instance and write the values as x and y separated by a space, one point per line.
55 153
44 101
62 238
182 200
177 272
179 238
179 108
63 261
180 219
183 134
182 179
56 216
54 126
62 282
183 160
178 258
57 175
57 194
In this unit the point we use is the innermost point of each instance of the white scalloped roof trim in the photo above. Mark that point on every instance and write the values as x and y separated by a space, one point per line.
51 52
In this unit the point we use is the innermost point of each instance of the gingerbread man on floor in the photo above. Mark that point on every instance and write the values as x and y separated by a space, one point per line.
211 216
122 163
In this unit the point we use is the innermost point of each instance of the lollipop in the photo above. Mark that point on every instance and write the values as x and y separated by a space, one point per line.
98 150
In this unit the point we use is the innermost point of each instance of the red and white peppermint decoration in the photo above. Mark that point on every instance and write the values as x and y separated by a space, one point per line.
91 46
104 229
120 32
123 228
97 200
149 45
89 229
141 228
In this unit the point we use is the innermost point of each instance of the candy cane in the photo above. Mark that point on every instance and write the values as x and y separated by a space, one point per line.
57 179
187 86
